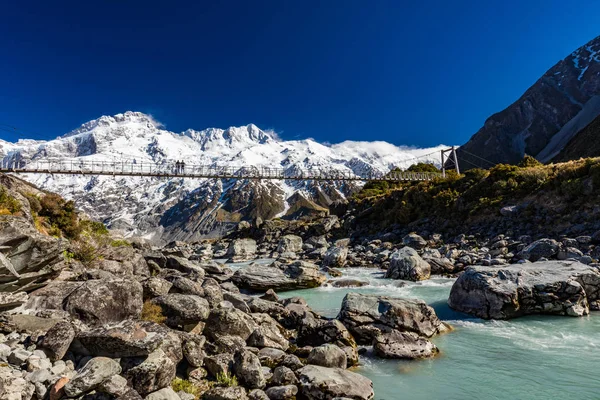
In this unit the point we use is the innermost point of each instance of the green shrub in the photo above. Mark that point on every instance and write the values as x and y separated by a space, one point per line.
183 385
423 167
120 243
34 203
61 215
529 161
225 379
8 203
94 227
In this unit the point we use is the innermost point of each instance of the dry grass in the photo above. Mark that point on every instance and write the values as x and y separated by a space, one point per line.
152 312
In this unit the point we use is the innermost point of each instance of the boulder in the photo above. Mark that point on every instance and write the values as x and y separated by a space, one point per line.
229 321
404 345
183 309
186 266
151 373
29 259
242 249
57 340
96 371
290 244
543 248
193 350
321 383
287 392
247 368
415 241
366 316
283 375
183 285
226 393
549 287
163 394
407 264
298 275
126 339
155 286
327 355
335 257
93 301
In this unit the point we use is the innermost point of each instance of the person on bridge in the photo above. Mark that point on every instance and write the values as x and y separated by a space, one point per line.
177 167
182 165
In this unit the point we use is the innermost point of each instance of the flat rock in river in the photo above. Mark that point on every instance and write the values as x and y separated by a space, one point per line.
549 287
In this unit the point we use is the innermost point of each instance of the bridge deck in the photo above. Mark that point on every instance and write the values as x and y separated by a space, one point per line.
170 170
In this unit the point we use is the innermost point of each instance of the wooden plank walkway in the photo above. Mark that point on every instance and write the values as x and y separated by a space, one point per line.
171 170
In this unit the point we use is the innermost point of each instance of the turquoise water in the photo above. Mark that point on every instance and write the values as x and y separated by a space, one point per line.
528 358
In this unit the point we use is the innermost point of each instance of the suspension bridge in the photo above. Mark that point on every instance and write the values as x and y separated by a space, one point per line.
173 169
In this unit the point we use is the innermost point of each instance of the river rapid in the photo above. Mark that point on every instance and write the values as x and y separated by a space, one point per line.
542 357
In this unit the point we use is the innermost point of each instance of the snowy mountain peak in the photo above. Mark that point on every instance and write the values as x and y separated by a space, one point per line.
187 209
238 137
114 121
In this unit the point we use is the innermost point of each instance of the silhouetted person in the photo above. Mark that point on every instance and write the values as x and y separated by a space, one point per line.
177 167
182 165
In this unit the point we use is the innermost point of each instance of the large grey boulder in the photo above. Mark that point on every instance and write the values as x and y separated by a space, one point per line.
126 339
242 249
327 355
186 266
226 393
335 257
247 368
96 371
29 259
404 345
549 287
321 383
95 301
407 264
366 316
298 275
229 321
183 309
415 241
543 248
287 392
290 244
57 340
152 373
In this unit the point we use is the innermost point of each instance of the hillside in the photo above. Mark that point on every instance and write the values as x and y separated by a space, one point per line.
531 199
184 209
537 123
585 143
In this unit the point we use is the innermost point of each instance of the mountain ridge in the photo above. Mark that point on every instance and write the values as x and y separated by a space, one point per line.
186 209
528 125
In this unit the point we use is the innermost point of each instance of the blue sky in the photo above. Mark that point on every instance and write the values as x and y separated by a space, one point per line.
411 73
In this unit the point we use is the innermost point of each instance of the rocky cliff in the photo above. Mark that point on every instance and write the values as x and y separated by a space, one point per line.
534 123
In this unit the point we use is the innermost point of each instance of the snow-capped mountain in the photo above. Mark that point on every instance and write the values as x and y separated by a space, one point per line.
188 209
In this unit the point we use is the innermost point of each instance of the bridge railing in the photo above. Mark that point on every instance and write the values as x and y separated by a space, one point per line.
134 168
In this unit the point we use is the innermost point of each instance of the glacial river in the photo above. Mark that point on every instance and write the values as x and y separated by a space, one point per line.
528 358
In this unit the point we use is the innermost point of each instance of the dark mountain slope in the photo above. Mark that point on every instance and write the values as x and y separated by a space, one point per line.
528 125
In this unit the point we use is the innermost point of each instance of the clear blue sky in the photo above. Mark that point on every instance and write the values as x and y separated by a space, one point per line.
416 73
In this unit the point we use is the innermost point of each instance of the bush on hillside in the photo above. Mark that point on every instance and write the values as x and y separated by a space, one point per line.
423 167
529 161
8 204
61 215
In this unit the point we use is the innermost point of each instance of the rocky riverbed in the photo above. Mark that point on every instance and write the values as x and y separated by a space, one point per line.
180 322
